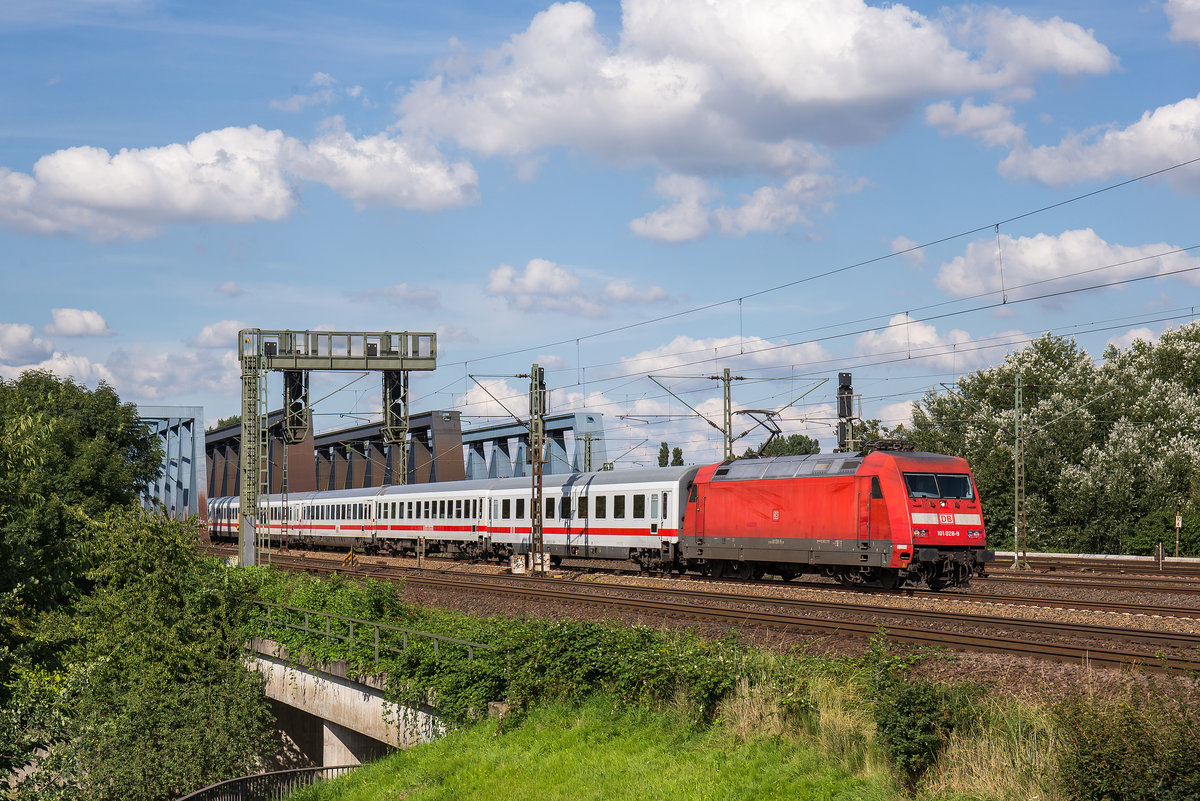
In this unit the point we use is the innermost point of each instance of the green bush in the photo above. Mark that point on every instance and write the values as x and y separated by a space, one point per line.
1144 744
528 660
915 717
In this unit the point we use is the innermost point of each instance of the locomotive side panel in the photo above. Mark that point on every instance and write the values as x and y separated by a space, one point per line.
817 520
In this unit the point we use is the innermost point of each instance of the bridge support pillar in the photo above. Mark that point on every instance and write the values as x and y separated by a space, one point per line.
343 746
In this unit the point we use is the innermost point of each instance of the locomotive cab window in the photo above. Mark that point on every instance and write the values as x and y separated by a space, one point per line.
939 485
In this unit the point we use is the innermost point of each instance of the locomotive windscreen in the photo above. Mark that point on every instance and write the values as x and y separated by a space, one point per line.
939 485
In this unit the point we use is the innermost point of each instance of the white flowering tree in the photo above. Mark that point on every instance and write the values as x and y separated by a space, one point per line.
1111 450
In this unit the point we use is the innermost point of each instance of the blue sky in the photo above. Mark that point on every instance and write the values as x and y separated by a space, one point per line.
611 190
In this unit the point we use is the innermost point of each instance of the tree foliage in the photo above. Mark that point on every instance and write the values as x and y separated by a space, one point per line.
64 451
793 445
154 699
677 457
664 454
223 422
1112 449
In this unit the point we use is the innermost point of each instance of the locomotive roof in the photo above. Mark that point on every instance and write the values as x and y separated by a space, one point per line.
812 464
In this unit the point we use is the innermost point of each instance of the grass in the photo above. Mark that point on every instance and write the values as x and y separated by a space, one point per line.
601 750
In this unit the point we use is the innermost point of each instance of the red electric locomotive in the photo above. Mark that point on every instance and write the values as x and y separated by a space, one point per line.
886 518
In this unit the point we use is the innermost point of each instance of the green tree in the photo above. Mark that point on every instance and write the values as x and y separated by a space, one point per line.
664 454
1108 447
64 451
677 457
154 700
794 445
223 422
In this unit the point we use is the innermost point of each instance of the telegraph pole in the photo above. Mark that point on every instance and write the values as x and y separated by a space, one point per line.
1018 477
727 429
537 447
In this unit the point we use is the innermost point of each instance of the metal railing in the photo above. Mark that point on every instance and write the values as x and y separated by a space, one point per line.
271 786
380 637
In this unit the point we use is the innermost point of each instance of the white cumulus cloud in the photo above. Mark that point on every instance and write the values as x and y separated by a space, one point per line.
708 85
155 375
65 365
234 175
992 124
385 171
1123 341
685 219
907 248
1045 256
1185 20
1162 137
222 334
904 337
19 344
77 323
547 286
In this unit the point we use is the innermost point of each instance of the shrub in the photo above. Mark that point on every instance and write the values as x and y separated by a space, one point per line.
1141 744
914 718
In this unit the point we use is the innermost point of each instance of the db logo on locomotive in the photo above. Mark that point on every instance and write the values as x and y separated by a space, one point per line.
945 518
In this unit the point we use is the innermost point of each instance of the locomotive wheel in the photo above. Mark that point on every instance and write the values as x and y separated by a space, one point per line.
745 570
890 579
848 579
717 568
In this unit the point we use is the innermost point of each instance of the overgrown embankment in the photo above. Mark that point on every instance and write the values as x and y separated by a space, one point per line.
861 727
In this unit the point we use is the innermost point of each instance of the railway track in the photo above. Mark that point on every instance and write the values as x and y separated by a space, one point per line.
1150 610
1084 563
1105 645
1096 582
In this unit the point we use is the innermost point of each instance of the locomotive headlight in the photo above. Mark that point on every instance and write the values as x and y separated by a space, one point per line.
920 532
975 534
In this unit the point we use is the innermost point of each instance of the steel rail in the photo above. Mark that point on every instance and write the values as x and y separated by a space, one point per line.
537 589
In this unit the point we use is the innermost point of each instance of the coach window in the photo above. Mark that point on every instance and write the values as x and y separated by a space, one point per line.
666 503
654 506
619 507
564 508
601 506
505 508
639 506
442 510
583 506
520 508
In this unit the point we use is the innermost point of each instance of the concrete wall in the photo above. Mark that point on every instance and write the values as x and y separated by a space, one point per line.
355 723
